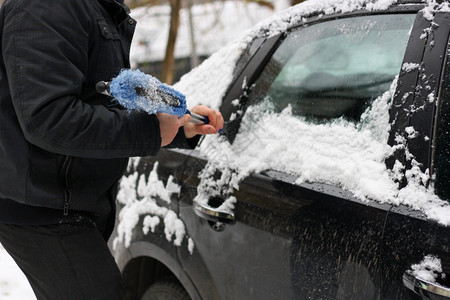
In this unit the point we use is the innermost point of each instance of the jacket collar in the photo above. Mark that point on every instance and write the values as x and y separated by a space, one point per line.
117 9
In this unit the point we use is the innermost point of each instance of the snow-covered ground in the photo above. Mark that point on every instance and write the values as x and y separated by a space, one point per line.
13 284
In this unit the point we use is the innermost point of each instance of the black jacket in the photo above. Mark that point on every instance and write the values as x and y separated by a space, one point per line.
63 145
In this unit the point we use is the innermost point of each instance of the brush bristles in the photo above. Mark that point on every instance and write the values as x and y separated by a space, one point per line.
134 89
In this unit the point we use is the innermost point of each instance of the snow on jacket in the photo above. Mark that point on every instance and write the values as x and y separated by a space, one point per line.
63 145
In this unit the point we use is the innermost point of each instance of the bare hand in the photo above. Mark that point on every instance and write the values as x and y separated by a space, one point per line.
169 125
215 122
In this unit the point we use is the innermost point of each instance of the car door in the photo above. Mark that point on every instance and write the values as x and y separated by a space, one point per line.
293 224
416 248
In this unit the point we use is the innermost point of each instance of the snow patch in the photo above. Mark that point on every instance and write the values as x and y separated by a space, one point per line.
432 7
191 246
13 283
429 269
208 83
431 97
139 197
133 162
150 222
412 133
174 227
429 11
408 67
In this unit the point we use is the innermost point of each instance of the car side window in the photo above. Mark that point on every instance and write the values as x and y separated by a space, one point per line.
442 156
335 69
319 110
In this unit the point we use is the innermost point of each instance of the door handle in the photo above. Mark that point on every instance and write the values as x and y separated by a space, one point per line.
213 214
423 287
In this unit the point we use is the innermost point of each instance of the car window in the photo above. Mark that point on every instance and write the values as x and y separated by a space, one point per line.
337 68
442 158
320 108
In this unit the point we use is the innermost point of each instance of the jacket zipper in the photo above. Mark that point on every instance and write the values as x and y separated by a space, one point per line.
67 189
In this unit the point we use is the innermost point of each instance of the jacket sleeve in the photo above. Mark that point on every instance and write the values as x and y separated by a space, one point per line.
180 141
45 48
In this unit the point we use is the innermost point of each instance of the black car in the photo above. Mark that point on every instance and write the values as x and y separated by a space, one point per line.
330 179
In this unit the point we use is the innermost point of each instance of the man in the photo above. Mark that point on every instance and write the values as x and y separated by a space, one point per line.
63 146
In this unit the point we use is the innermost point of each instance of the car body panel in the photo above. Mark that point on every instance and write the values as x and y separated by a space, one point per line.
308 243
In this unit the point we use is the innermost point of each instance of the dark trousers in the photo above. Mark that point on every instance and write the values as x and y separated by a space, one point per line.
64 261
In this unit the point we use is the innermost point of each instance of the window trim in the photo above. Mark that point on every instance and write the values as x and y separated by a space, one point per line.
424 121
423 54
446 67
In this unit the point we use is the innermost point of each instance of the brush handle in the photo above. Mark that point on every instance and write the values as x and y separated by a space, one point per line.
199 119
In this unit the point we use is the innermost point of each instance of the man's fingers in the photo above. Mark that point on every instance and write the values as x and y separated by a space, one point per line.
206 129
219 120
214 116
215 122
184 119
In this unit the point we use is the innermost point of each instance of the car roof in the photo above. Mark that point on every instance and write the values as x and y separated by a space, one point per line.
412 6
316 10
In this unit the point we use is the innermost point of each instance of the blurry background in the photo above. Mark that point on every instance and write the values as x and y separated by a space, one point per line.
174 36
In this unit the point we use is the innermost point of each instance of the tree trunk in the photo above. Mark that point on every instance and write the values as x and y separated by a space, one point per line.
194 57
169 59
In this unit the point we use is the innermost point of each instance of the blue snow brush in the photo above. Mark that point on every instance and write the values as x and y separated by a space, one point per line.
134 89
